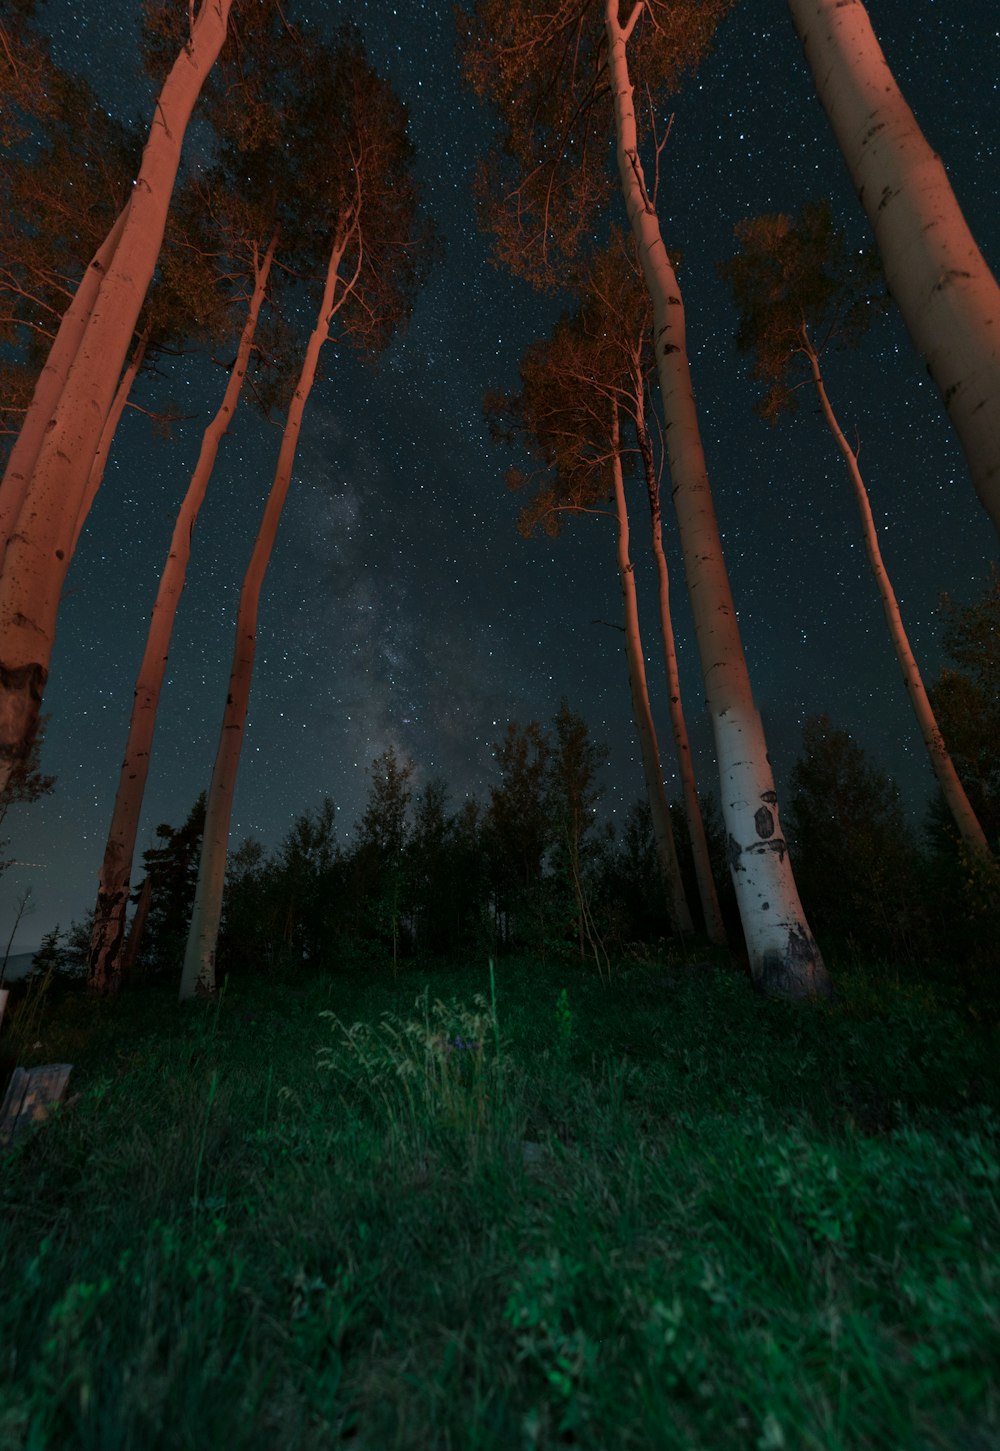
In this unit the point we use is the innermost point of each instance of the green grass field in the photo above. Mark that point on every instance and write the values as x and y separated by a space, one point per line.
372 1214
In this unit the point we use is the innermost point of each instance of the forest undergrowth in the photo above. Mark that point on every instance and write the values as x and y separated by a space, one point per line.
432 1211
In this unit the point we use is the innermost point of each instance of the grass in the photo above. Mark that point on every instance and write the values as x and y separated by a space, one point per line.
376 1215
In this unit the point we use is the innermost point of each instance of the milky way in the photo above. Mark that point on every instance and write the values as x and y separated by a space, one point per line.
401 607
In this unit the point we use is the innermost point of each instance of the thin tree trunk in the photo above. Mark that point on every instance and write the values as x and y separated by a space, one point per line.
954 793
96 476
51 381
784 957
119 851
666 851
41 546
707 894
947 295
198 975
134 940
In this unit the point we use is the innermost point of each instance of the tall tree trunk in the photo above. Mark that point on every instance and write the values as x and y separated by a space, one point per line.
119 852
198 975
784 957
651 765
39 550
51 382
707 894
947 295
954 793
100 463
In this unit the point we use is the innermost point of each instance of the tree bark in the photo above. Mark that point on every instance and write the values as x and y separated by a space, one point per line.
714 927
39 550
954 793
784 957
134 940
666 850
198 975
51 381
947 295
96 476
119 852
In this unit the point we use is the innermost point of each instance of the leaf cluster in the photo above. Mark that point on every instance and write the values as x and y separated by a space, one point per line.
574 385
798 290
542 189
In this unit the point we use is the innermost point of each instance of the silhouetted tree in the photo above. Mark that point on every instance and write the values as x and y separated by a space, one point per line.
172 869
517 832
572 793
854 857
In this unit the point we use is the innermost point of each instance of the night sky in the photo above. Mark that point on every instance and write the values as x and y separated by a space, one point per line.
402 607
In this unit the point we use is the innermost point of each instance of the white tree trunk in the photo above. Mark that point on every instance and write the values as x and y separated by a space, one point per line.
954 793
96 476
198 975
116 870
652 767
51 382
709 898
784 957
40 546
947 295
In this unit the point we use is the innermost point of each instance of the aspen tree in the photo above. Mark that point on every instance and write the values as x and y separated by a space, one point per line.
562 84
364 192
948 297
567 414
798 294
617 307
39 549
235 214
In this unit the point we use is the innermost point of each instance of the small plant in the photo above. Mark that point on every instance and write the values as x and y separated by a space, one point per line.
431 1069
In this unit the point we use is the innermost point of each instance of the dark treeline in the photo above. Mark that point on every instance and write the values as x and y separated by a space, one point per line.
536 867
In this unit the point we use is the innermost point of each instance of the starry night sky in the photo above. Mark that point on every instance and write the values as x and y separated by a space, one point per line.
401 606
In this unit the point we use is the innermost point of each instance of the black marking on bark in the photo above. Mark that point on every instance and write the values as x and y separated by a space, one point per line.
886 198
733 852
771 797
21 687
229 700
670 348
949 393
29 678
60 554
673 302
954 274
872 131
765 906
776 844
763 822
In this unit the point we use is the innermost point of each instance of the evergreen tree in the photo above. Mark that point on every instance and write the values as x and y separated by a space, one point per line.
855 859
172 868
